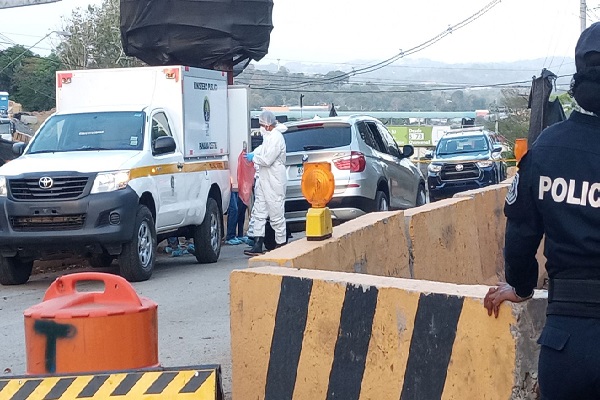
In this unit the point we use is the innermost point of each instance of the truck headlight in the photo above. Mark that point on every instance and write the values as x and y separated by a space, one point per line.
3 187
484 164
434 168
110 181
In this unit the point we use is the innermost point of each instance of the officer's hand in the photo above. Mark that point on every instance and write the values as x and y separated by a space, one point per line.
249 156
496 295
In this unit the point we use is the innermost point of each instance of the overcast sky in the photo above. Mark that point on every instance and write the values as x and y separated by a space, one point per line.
341 31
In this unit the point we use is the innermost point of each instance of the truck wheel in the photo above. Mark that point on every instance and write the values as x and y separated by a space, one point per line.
381 201
207 236
421 196
13 271
100 260
137 259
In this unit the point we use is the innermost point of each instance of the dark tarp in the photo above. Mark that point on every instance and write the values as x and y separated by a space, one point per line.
543 112
198 33
6 153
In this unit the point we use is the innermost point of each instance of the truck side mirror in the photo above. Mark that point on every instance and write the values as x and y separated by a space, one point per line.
163 145
407 150
18 148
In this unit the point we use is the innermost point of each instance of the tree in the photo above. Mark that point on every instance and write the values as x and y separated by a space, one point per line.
34 83
95 40
513 122
10 60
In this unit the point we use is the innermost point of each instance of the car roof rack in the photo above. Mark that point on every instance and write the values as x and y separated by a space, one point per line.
469 129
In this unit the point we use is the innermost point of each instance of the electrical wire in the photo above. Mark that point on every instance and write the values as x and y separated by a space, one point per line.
257 66
515 84
413 50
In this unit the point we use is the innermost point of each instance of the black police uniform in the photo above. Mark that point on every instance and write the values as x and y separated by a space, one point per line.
557 193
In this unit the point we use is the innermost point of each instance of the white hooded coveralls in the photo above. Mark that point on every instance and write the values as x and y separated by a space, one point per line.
269 193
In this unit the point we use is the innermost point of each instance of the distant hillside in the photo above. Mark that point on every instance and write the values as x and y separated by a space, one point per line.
414 71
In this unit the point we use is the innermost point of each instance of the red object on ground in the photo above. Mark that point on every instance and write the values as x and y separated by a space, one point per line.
245 178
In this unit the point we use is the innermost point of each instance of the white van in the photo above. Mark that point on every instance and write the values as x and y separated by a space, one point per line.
131 157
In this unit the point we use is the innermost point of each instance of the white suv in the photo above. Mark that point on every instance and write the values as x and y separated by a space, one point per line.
371 172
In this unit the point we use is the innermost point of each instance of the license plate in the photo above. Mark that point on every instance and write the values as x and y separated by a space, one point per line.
300 169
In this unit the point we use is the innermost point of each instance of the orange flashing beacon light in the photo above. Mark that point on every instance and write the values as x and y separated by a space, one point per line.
317 185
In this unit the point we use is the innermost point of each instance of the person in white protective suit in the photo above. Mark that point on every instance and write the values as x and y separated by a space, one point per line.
269 193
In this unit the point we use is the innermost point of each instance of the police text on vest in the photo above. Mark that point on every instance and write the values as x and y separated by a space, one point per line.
570 192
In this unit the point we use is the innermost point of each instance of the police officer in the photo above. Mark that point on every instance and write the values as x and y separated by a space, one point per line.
556 193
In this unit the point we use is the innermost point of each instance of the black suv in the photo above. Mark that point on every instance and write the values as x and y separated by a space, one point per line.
464 159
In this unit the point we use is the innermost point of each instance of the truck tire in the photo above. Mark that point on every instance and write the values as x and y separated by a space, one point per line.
100 260
207 236
13 271
421 196
137 259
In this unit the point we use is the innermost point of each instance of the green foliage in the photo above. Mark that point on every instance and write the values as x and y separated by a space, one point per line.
95 38
512 117
94 42
28 78
10 60
284 88
34 83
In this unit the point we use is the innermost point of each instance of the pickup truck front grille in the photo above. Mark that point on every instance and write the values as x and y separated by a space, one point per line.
62 188
455 172
47 223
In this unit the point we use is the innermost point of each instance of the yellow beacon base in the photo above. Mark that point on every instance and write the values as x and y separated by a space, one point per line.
318 224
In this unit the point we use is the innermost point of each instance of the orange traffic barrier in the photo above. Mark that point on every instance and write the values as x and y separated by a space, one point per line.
75 331
520 148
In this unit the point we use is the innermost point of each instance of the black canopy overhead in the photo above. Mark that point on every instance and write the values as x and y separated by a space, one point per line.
199 33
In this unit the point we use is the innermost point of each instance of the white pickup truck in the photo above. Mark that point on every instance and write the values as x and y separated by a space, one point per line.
131 157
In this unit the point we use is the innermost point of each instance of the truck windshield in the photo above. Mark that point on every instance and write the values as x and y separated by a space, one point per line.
467 144
90 131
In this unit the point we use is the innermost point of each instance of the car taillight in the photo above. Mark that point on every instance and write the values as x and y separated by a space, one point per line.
355 162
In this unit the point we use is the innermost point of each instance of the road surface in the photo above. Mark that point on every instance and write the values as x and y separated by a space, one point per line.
193 311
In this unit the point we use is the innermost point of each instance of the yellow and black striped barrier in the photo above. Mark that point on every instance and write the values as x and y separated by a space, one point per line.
306 334
197 382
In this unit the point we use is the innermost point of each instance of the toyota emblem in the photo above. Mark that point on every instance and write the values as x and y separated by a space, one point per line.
459 167
46 182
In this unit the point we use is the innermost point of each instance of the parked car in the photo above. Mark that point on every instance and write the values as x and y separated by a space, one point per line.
371 172
464 159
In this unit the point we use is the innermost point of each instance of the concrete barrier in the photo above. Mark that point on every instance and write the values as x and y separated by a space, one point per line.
488 204
303 334
444 242
373 244
457 240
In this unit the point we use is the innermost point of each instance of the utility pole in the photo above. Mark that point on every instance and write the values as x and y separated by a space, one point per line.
583 14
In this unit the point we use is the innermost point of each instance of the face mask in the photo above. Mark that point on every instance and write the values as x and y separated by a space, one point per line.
263 131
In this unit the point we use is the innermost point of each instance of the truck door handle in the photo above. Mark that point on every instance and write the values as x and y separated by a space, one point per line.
179 166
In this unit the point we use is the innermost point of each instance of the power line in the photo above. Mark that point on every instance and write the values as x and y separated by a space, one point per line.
413 50
256 66
515 84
